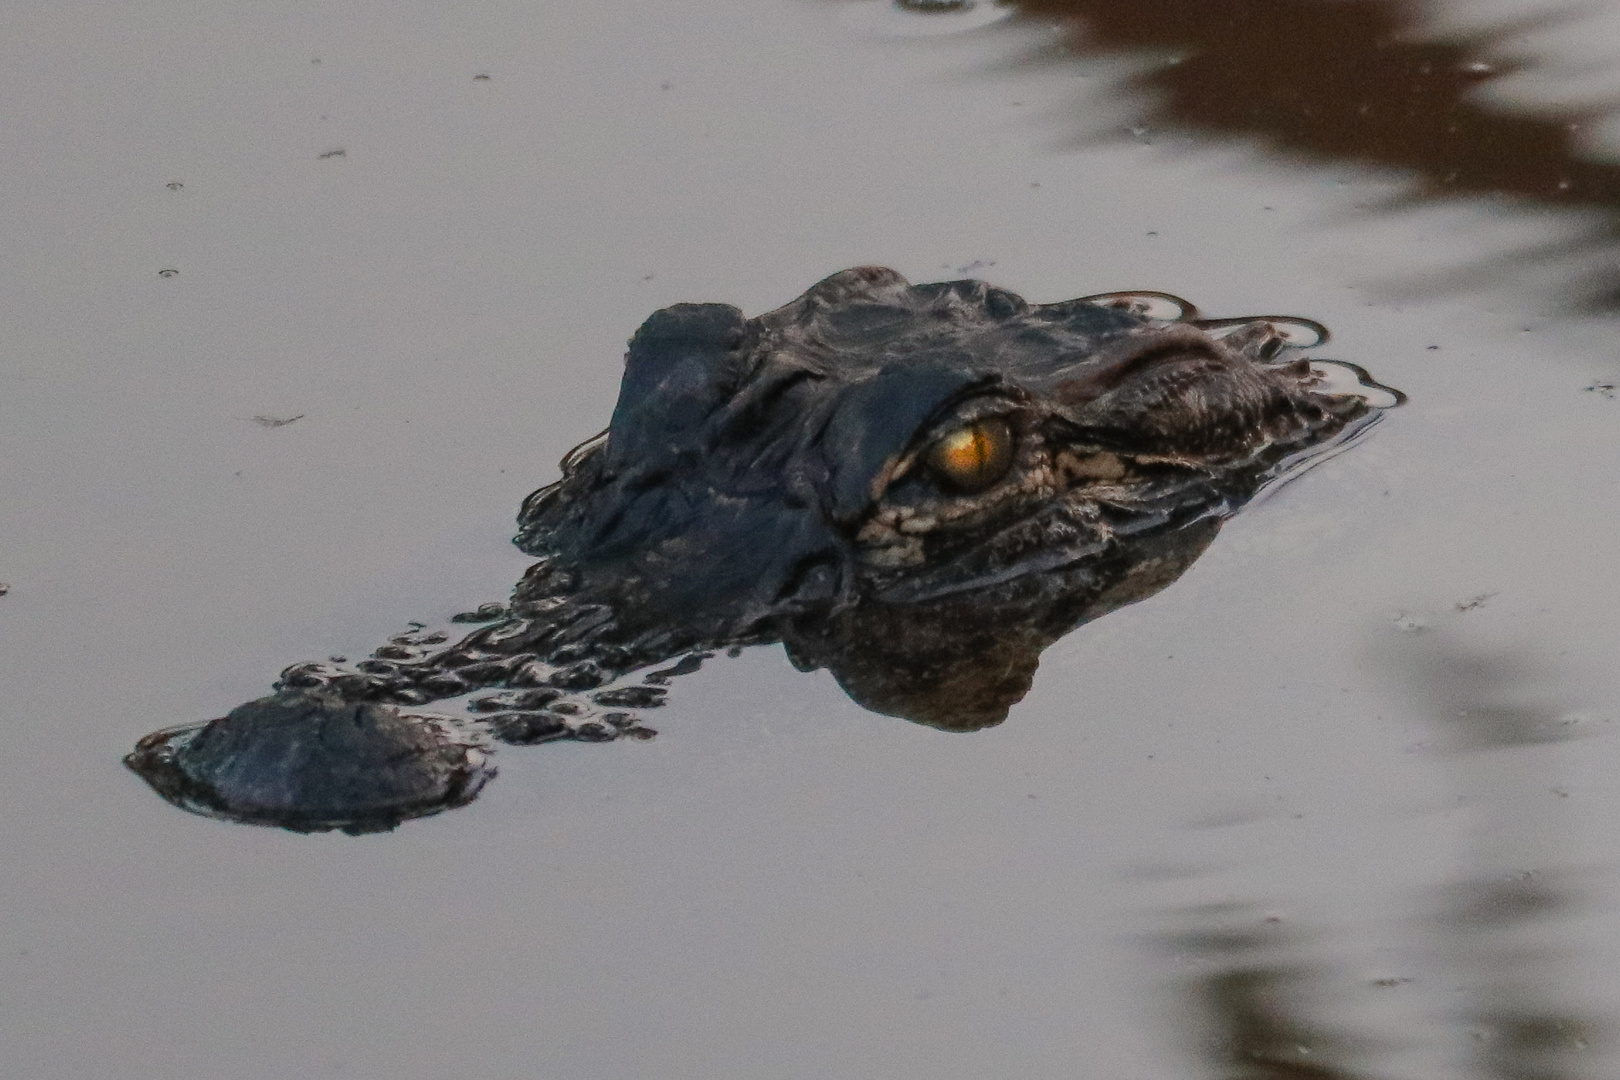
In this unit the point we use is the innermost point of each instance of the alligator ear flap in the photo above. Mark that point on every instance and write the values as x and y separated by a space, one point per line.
683 363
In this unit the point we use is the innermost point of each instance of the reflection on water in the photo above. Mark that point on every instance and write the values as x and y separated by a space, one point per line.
1264 1004
1491 992
1368 82
1481 698
1256 1009
1520 1020
1504 926
898 18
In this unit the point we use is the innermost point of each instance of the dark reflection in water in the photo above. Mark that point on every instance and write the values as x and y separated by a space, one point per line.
960 664
1521 1024
1502 925
1264 1004
1479 698
1364 82
1254 1004
1490 991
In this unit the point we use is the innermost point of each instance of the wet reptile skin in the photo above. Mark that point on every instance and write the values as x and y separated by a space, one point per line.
789 478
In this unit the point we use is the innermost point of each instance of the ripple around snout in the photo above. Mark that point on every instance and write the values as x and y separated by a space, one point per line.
1344 379
1291 331
922 18
1147 304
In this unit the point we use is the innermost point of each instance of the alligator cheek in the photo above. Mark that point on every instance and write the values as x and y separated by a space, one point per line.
311 762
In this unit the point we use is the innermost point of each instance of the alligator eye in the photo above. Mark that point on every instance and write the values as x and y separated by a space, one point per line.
974 456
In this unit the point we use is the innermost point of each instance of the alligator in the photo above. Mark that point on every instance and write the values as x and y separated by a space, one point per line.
917 487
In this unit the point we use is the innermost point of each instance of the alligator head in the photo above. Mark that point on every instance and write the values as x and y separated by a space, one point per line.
917 487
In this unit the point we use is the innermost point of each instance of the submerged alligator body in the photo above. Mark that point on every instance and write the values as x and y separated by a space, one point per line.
916 487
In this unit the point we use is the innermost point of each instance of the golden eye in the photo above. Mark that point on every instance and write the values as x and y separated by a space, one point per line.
973 456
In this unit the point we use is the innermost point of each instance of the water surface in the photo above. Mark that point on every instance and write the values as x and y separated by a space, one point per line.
1333 805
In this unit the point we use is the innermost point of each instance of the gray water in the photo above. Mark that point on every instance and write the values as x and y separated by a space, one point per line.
1336 804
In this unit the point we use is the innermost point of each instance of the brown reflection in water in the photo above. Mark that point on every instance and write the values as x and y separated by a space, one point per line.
1266 1005
1359 81
1492 992
1254 1009
1479 698
1500 928
960 666
1502 932
1519 1021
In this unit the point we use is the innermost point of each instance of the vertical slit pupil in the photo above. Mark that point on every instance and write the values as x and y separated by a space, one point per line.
972 458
